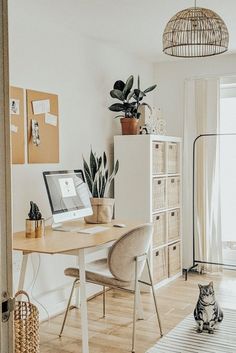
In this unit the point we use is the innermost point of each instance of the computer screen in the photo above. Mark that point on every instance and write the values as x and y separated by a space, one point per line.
68 194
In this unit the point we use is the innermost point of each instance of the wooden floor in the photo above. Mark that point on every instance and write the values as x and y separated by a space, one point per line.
113 334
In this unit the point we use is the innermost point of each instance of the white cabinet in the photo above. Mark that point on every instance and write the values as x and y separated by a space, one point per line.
148 189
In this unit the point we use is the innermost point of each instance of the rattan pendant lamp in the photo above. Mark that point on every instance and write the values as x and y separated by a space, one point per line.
195 32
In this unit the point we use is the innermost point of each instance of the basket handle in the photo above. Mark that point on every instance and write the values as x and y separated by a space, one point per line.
22 292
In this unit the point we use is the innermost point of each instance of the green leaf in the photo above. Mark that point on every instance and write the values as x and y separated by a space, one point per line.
95 190
116 167
119 116
150 108
88 176
149 89
119 85
100 184
93 165
86 167
116 93
106 174
104 160
130 95
103 186
117 107
128 86
99 162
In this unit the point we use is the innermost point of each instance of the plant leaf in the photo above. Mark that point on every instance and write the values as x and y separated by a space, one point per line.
149 89
116 167
99 162
93 165
130 95
106 174
88 176
104 160
150 108
116 93
95 190
119 116
128 86
117 107
119 85
103 186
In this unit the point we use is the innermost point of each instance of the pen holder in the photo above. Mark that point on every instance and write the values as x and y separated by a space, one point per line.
34 229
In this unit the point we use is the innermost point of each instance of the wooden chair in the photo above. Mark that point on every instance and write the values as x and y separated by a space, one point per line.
122 270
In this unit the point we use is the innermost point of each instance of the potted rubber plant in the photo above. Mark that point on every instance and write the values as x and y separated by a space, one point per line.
99 180
129 102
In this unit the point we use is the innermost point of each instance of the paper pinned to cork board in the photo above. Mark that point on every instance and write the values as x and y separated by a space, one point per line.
17 125
14 128
41 106
14 106
51 119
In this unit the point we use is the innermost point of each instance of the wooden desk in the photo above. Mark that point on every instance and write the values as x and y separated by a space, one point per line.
71 243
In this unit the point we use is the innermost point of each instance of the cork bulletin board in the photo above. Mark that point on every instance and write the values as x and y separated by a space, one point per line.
17 116
42 111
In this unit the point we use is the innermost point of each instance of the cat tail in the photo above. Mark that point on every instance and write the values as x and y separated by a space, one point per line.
221 315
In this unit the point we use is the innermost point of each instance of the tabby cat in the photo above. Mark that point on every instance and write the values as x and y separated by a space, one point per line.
207 312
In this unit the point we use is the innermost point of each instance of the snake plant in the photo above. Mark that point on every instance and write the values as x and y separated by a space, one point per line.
97 174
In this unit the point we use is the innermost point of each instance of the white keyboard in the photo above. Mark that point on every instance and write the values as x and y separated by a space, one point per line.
93 230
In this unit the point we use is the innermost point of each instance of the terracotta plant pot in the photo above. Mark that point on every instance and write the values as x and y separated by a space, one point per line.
102 210
129 126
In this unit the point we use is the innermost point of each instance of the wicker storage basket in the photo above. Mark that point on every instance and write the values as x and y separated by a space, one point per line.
159 225
173 186
160 265
174 257
26 326
158 193
158 157
173 225
173 164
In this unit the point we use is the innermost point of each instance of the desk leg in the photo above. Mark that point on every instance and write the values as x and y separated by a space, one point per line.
83 302
23 271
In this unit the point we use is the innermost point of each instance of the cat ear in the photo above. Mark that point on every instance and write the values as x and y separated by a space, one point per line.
199 286
211 284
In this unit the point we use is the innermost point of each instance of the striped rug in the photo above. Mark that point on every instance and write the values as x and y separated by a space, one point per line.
184 338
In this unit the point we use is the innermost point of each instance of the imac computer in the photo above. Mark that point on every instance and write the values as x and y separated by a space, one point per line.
68 196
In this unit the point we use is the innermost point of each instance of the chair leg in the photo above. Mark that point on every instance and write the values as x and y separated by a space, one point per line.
104 301
68 306
154 296
140 306
136 289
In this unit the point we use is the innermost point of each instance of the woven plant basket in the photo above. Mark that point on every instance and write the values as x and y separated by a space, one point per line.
26 325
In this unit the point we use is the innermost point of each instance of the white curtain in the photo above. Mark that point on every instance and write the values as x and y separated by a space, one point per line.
202 117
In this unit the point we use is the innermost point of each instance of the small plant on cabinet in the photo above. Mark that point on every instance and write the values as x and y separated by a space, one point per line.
130 101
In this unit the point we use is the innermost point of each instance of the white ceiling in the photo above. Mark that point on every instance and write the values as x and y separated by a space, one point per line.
133 25
137 25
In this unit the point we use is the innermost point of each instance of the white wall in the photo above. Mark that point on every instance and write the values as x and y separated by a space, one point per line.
48 55
170 77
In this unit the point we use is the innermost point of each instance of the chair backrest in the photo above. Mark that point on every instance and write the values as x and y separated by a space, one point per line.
121 257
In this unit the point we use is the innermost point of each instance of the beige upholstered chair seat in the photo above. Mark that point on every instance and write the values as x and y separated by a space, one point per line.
122 269
97 272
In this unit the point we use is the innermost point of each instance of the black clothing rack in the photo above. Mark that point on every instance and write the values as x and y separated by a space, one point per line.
195 261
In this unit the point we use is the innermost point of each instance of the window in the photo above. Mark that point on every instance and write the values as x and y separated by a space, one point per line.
228 171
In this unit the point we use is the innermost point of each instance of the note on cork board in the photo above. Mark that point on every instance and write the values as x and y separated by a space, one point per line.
17 125
43 127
